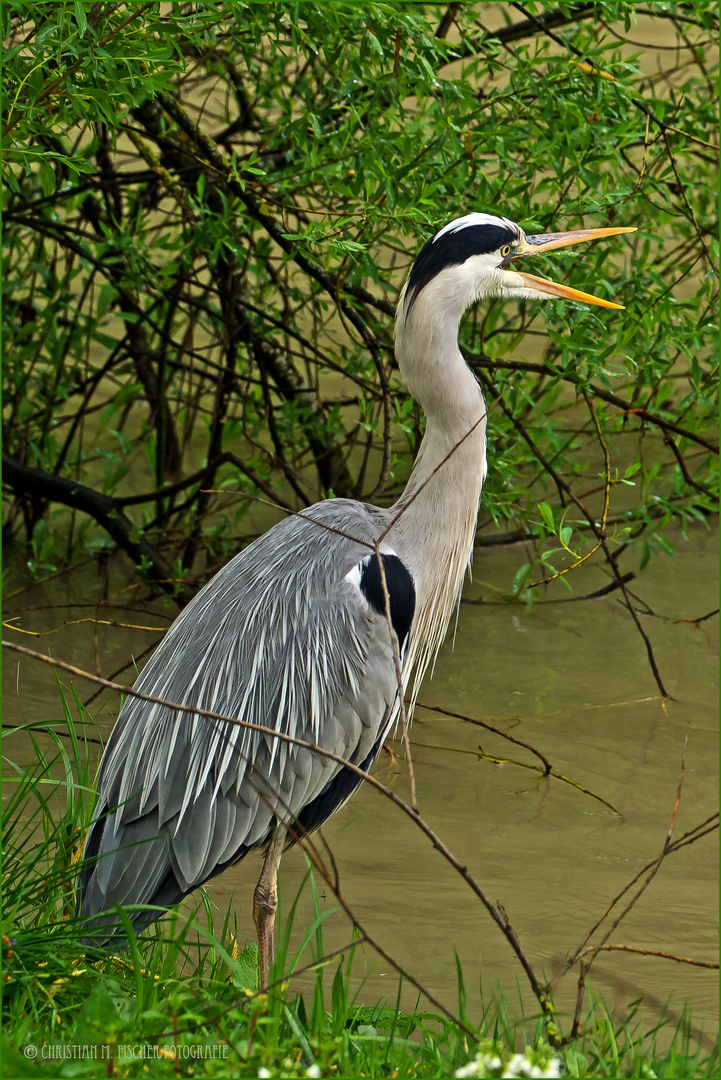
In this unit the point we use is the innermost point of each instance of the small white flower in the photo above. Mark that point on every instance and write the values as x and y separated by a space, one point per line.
313 1071
489 1062
263 1073
517 1066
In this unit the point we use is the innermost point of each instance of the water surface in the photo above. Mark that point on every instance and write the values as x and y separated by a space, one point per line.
572 679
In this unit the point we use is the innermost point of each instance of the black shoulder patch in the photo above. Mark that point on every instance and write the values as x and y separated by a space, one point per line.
401 591
452 249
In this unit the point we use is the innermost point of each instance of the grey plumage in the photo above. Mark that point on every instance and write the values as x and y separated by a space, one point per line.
292 634
279 638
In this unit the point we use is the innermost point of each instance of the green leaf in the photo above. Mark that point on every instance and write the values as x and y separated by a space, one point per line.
47 178
520 576
547 515
80 16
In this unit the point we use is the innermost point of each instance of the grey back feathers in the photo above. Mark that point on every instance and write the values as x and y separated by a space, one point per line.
291 635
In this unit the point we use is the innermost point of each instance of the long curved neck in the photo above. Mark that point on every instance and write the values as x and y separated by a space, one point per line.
451 464
451 461
439 506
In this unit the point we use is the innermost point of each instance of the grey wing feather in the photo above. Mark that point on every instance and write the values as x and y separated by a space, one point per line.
281 637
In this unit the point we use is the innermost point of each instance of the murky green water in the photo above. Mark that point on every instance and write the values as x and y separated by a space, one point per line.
572 679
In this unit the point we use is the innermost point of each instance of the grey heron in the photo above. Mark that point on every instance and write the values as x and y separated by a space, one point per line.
293 634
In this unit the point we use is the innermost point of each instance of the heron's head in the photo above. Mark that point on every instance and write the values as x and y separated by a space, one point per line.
475 256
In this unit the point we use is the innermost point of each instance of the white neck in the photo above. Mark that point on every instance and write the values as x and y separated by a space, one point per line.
439 506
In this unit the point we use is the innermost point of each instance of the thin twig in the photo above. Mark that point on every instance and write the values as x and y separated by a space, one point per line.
651 869
651 952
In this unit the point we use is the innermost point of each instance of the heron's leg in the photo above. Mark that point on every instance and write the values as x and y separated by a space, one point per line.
265 905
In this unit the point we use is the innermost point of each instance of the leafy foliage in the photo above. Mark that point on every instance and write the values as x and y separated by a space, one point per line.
209 208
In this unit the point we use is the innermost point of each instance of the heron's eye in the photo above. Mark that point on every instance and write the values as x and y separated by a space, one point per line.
506 250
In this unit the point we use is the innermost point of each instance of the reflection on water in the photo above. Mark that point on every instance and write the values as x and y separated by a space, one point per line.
572 679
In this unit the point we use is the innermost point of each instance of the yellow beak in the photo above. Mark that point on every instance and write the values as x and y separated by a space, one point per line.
542 242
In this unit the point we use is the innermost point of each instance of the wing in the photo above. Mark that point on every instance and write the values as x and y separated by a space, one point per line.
292 635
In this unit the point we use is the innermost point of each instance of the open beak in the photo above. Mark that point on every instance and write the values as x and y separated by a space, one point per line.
534 245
